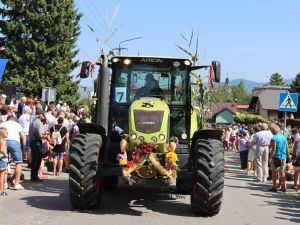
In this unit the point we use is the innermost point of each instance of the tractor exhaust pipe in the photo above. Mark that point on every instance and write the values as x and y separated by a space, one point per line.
103 93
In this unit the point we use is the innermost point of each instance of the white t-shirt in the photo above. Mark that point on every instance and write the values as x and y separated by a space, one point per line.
13 129
297 138
50 120
24 121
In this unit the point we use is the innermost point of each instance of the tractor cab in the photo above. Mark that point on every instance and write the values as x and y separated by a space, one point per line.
162 81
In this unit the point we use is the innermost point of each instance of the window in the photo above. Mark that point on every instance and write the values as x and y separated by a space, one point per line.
135 84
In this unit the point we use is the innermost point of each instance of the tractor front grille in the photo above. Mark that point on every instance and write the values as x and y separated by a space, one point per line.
148 121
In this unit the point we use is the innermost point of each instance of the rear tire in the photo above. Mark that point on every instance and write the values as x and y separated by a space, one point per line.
84 176
207 177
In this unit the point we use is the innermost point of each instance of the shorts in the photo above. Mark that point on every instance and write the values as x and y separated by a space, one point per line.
58 155
3 164
251 155
28 148
279 168
15 151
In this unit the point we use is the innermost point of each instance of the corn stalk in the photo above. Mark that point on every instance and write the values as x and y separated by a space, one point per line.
202 96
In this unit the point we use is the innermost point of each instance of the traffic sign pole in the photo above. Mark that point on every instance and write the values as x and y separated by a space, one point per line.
285 115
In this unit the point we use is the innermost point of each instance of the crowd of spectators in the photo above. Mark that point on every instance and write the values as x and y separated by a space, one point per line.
269 152
27 130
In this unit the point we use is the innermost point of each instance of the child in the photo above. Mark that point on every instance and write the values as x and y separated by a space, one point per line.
243 143
3 160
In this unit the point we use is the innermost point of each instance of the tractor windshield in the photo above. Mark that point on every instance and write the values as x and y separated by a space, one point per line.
148 81
166 79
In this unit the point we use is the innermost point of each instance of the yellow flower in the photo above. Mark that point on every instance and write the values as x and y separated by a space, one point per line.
172 157
194 58
123 162
200 82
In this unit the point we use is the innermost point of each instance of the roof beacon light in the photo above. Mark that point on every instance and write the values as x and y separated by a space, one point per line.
115 60
187 62
126 61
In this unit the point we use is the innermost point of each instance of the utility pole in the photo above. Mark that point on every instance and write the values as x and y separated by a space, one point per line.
119 48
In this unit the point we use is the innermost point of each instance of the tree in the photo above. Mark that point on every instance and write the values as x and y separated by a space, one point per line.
239 94
40 38
295 85
235 93
276 79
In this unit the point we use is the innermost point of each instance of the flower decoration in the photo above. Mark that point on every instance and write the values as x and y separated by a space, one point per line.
194 58
122 158
171 156
143 148
125 136
200 82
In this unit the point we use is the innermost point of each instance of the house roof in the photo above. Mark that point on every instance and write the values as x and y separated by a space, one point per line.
242 106
219 107
269 98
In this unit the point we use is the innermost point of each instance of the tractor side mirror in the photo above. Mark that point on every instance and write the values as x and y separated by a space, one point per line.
217 70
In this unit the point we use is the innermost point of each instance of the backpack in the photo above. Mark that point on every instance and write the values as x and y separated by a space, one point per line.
56 138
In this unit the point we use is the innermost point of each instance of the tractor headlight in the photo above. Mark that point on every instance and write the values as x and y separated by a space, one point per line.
126 61
161 137
141 139
133 136
154 139
187 62
115 60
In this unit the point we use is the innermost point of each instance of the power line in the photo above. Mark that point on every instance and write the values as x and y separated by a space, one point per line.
98 14
94 7
89 23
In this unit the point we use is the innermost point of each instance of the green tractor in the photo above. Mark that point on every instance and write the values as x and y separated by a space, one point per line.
147 130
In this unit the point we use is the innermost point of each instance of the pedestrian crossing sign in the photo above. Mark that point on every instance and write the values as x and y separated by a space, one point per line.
288 102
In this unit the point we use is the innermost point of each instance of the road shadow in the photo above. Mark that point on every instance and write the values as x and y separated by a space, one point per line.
288 203
134 201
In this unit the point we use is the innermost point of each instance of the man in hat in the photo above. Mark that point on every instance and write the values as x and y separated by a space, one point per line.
36 135
150 89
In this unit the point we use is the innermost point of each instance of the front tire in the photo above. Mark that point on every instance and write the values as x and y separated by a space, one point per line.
207 177
84 176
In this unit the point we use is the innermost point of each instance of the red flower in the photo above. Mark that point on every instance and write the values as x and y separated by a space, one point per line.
173 167
129 163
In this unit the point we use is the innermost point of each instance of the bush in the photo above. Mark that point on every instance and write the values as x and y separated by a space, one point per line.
248 118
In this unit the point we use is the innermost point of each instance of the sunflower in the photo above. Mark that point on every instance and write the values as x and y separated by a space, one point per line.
172 157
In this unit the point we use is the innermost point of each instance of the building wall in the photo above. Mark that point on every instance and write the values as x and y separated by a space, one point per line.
273 115
224 117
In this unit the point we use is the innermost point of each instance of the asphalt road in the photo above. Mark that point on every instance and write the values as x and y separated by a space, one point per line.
245 202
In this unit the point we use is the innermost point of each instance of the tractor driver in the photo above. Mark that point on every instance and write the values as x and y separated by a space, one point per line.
150 89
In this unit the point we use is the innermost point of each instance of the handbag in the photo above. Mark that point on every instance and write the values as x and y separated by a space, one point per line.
277 162
44 149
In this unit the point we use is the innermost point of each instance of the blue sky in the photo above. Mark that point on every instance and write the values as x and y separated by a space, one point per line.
251 38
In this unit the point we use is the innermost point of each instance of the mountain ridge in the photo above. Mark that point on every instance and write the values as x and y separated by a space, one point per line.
249 84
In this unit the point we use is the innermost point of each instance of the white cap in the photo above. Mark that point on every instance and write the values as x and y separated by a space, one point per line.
4 95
